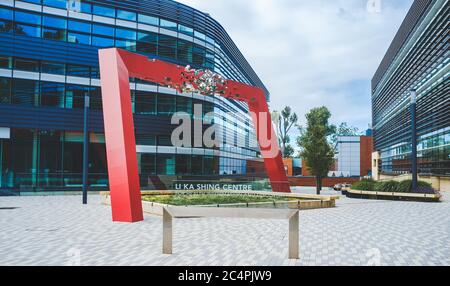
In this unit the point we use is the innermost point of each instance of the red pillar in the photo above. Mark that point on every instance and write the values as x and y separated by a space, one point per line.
120 138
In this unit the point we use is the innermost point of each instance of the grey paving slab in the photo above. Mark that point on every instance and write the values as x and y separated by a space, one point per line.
59 230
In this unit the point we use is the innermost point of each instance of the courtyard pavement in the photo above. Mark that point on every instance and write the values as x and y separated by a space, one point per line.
59 230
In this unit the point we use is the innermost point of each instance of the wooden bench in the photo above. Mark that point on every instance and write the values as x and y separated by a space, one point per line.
169 213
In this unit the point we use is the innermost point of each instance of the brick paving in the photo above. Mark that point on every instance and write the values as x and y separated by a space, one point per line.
58 230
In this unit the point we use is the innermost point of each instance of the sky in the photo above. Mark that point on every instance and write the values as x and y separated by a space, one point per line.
313 53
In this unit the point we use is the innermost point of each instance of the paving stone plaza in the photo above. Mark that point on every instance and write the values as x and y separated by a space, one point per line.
59 230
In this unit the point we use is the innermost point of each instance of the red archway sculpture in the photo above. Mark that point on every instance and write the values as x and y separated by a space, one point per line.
116 67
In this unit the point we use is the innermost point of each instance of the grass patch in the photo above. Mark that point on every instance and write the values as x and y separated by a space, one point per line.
207 199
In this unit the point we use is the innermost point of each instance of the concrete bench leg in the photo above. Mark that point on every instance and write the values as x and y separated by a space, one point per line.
167 232
294 237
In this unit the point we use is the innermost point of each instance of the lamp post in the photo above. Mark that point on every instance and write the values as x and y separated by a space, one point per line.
85 148
414 139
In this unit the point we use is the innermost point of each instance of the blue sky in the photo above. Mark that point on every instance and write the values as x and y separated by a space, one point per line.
313 53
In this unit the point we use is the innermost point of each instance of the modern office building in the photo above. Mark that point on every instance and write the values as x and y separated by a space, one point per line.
418 59
49 64
354 155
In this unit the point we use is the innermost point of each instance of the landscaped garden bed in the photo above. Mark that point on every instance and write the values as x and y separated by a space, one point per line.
154 201
393 190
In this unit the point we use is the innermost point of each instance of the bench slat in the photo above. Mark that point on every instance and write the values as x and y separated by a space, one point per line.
195 212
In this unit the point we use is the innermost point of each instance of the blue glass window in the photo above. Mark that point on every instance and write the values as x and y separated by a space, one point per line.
126 15
6 26
28 18
54 34
6 14
81 71
26 65
79 26
56 3
102 42
54 22
103 30
79 38
185 30
53 68
125 34
128 45
168 24
104 11
33 1
148 20
25 30
199 35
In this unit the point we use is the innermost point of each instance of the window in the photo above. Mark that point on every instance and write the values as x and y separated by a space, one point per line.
79 26
199 35
168 24
148 43
6 26
5 90
166 104
198 56
126 34
6 14
76 70
5 62
28 18
185 51
183 164
52 94
126 15
145 102
25 30
164 141
24 91
148 20
54 22
145 140
128 45
53 68
54 34
75 96
184 104
56 3
185 30
104 11
102 42
167 46
103 30
26 65
79 38
165 164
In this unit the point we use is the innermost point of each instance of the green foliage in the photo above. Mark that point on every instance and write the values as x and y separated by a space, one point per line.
364 185
284 122
406 186
392 186
387 187
206 199
343 130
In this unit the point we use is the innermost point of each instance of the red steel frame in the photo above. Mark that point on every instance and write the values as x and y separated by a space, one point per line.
116 67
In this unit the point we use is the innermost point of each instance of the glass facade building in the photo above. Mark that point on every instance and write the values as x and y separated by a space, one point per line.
49 64
418 59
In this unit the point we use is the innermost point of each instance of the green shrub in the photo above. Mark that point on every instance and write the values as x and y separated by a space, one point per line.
406 186
364 185
387 187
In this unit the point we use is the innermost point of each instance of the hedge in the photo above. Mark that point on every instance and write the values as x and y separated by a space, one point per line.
394 187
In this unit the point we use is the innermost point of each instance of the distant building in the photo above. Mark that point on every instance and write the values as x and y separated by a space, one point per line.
354 156
293 166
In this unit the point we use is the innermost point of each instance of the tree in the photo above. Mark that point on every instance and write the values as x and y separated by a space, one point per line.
289 151
316 150
284 122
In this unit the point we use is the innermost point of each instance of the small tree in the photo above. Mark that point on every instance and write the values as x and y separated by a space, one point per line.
316 150
284 122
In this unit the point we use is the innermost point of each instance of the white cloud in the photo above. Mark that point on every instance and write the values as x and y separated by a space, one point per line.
312 53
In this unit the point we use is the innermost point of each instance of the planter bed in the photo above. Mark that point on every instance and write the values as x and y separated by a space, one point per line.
262 200
391 196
